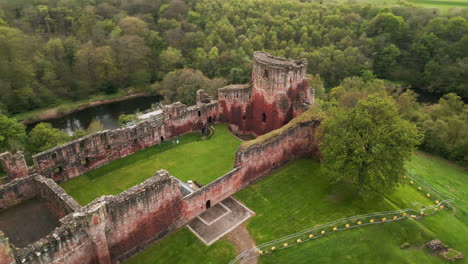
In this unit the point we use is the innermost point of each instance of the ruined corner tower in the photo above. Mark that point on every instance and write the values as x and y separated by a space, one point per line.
279 92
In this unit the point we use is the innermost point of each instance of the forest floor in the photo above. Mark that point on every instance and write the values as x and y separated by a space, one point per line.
63 108
299 196
192 158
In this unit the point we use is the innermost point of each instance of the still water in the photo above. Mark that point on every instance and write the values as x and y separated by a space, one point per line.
107 114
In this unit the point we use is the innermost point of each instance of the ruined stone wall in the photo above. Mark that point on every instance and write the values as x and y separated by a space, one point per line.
17 191
143 214
57 199
14 164
233 104
77 157
256 161
69 243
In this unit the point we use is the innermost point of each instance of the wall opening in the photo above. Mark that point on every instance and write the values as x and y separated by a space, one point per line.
3 171
199 113
243 117
85 161
209 119
265 73
54 156
208 204
263 117
135 141
162 138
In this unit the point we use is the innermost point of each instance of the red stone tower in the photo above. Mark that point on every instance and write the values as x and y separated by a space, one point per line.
279 92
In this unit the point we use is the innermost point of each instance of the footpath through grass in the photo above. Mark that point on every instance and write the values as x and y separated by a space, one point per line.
194 158
299 196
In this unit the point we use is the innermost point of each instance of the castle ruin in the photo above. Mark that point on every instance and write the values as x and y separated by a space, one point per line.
113 228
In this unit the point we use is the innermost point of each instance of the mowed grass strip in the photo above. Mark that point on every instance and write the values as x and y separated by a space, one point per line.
372 244
300 195
194 158
184 247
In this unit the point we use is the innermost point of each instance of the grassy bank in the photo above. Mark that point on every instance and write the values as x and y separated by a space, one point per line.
66 106
299 196
194 158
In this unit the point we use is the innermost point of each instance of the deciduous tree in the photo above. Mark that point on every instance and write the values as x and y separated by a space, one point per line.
368 146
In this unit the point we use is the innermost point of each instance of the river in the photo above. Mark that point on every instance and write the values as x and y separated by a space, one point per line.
107 114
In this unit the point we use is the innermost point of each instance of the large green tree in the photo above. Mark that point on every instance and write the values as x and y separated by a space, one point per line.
12 134
368 145
43 137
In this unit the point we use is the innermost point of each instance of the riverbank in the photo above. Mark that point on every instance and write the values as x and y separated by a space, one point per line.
69 107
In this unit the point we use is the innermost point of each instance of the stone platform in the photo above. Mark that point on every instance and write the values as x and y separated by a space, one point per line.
219 220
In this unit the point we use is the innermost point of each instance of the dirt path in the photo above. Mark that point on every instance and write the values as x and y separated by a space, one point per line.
241 238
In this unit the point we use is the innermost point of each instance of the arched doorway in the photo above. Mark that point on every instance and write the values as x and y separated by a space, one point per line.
208 204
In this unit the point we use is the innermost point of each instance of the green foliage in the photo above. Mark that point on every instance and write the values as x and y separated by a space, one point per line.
184 83
43 137
124 119
446 128
12 134
368 146
94 127
76 49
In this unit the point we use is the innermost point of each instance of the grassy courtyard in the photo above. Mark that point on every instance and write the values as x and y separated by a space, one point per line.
194 158
184 247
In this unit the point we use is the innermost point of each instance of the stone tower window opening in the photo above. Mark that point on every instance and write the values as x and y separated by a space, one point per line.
208 204
265 73
199 113
209 119
162 139
263 117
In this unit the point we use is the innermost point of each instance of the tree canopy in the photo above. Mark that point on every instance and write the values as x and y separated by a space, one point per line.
368 145
72 49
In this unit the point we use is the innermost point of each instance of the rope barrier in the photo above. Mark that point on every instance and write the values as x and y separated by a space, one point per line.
348 223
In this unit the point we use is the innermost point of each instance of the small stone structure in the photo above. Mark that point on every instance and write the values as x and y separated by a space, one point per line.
113 228
437 247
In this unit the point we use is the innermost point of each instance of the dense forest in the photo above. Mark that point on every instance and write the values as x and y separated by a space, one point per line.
52 50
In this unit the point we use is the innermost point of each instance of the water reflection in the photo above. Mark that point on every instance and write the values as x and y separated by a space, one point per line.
107 114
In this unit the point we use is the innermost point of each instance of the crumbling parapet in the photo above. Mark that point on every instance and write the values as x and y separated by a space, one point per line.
14 164
203 97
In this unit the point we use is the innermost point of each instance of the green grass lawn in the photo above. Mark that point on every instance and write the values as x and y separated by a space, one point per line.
194 158
183 247
300 196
